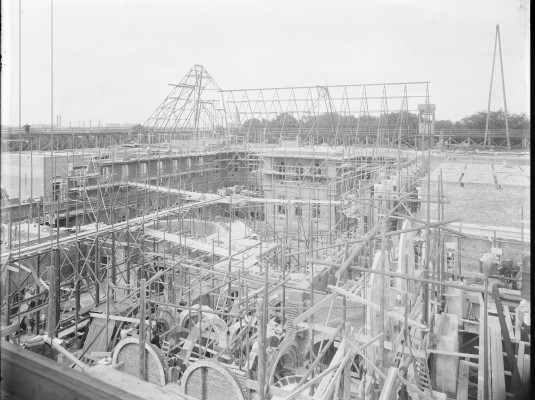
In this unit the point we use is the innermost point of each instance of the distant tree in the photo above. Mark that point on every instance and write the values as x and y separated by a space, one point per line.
219 129
138 128
519 121
444 124
478 120
284 119
3 194
252 124
135 131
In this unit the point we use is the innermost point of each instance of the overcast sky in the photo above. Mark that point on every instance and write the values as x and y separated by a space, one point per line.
114 59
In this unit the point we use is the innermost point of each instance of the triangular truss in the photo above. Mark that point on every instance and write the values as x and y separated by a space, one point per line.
192 110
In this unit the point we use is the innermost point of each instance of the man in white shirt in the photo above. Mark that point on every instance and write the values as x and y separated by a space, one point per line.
126 331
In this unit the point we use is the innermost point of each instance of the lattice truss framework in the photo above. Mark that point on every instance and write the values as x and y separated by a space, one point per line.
336 115
193 108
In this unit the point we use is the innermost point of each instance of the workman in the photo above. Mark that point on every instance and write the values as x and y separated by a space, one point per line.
126 331
155 338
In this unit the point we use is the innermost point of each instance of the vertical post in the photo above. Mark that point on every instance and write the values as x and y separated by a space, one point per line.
425 286
522 226
51 297
127 256
503 88
200 313
382 355
77 294
247 347
8 295
113 261
172 294
265 318
486 342
261 349
240 297
142 355
107 307
229 302
97 273
283 255
37 315
311 331
490 90
441 199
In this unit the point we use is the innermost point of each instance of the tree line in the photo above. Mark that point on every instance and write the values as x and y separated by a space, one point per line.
391 120
388 120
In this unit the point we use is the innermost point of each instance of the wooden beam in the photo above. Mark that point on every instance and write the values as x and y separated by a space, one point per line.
56 344
115 318
25 375
32 271
452 353
390 385
462 381
507 315
9 330
274 390
312 310
376 307
134 386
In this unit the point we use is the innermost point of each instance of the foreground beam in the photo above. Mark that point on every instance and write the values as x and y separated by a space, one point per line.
27 375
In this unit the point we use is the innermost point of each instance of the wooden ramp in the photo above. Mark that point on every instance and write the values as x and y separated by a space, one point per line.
96 339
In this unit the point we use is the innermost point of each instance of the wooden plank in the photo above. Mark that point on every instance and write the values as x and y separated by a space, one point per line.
101 353
115 318
518 324
132 385
376 307
319 327
520 359
70 330
322 304
119 366
496 366
190 243
26 375
56 344
275 391
498 371
36 278
452 353
481 379
507 315
527 368
388 391
364 339
9 330
462 386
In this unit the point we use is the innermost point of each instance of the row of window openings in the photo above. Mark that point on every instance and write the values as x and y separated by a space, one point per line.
298 210
299 169
143 169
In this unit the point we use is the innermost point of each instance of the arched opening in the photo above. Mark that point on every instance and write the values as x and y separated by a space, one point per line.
299 170
317 168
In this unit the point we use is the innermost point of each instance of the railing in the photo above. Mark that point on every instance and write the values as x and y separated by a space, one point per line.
6 131
481 132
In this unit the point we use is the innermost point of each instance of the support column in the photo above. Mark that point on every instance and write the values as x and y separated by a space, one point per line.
142 355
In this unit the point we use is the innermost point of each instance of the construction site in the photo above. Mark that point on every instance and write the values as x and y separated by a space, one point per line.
317 242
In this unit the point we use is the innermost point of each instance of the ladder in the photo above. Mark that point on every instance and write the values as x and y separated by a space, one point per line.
423 379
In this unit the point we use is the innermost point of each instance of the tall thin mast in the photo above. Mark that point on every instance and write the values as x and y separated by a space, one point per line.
497 42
